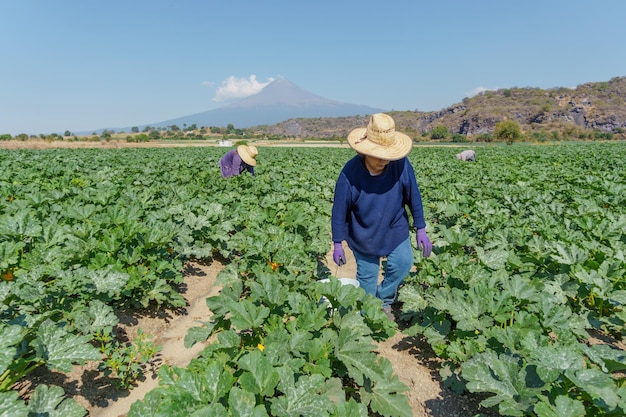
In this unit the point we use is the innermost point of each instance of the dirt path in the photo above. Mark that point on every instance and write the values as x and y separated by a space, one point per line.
170 335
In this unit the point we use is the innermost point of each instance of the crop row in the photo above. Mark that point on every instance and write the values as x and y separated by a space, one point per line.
86 234
523 299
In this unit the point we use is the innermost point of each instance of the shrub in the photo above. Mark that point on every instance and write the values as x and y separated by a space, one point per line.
457 137
439 132
508 130
484 137
142 137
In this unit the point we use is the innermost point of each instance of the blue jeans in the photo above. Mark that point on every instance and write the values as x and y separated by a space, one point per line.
399 263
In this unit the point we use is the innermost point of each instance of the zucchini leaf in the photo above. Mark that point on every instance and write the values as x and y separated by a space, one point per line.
61 349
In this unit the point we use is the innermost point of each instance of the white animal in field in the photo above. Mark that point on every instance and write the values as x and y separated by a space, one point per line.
468 155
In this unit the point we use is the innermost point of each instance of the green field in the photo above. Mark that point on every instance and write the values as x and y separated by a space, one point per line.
522 299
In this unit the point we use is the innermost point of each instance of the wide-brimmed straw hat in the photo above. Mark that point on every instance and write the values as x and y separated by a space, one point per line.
380 139
248 154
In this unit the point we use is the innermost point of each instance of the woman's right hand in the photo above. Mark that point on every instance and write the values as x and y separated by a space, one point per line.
424 243
338 255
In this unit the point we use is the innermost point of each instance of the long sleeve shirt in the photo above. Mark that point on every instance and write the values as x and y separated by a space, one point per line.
369 211
232 164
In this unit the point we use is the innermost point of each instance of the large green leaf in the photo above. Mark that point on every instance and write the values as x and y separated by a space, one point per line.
468 308
243 403
338 294
11 405
10 336
10 253
609 359
60 349
107 281
218 382
245 314
268 290
385 396
560 319
599 284
552 361
352 408
521 288
199 334
97 317
356 353
185 392
506 378
51 401
300 398
600 386
493 259
563 407
569 255
22 225
260 376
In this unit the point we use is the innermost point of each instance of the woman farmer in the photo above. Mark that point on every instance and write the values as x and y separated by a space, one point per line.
369 208
241 159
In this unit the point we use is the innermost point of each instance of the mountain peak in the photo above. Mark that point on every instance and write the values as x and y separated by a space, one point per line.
280 100
282 92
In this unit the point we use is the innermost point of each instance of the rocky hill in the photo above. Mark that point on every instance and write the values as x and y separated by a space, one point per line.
590 107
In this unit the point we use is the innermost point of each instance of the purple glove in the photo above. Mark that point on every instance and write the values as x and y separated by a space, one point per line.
338 256
423 243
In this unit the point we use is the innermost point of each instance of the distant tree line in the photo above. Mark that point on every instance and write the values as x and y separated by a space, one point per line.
504 131
510 131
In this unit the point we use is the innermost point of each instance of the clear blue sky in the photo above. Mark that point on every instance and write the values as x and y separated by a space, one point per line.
82 65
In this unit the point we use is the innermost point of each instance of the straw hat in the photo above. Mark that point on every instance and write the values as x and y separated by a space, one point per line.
380 139
248 154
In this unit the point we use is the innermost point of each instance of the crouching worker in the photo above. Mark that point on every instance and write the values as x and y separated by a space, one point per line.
241 159
468 155
368 212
